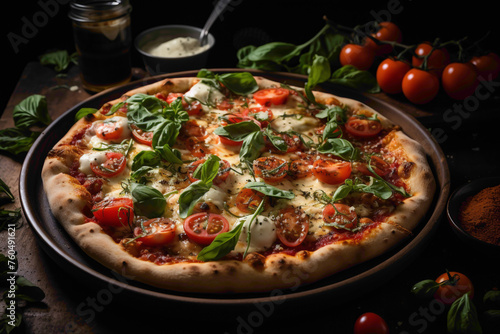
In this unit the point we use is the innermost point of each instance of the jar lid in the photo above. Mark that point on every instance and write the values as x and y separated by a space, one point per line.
98 10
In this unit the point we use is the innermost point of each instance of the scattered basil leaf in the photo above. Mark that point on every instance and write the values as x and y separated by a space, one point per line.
319 72
208 170
5 189
28 291
350 76
84 112
31 111
9 218
340 147
237 131
276 140
221 245
148 201
60 59
191 195
17 141
252 147
399 190
462 317
270 190
241 83
425 288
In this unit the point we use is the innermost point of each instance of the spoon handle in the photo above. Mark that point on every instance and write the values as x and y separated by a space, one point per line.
219 7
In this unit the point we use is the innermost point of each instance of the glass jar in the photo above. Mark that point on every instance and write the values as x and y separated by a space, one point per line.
102 36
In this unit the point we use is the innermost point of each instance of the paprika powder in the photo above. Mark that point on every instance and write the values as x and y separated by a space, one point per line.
480 215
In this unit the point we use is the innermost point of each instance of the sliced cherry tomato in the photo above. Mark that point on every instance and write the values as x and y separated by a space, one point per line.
453 286
487 66
270 169
292 141
359 56
193 108
361 127
330 171
109 130
232 119
157 232
197 146
271 96
114 165
114 212
370 323
390 74
460 80
379 166
420 86
300 168
203 227
388 32
192 128
222 175
341 216
436 61
292 226
142 137
263 114
248 200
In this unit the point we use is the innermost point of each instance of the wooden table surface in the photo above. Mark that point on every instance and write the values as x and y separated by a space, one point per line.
73 307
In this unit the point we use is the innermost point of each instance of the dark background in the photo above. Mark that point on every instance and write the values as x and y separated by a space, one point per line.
247 22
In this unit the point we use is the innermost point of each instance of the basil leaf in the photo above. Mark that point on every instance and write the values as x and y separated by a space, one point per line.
208 170
145 158
28 291
425 288
84 112
274 51
31 111
335 113
221 245
175 112
169 154
60 59
332 130
343 190
276 140
350 76
269 190
318 72
190 196
237 131
399 190
339 147
148 201
379 188
16 141
252 147
241 83
4 188
492 298
143 118
165 134
462 317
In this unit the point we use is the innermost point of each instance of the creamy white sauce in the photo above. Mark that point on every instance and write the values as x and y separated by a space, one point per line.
178 47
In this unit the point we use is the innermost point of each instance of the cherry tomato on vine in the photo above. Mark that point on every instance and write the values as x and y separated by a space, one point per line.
459 80
157 232
488 66
389 32
114 212
370 323
359 56
390 74
437 60
456 285
420 86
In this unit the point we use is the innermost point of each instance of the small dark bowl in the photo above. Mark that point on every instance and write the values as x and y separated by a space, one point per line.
164 65
453 210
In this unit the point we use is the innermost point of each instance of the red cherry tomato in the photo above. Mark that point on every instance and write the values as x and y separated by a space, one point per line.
300 168
271 96
389 32
292 226
330 171
248 200
370 323
436 62
109 130
459 80
379 166
456 286
254 113
117 212
193 108
232 119
203 227
420 86
114 165
359 56
340 215
361 127
488 67
158 231
142 137
222 175
390 74
270 169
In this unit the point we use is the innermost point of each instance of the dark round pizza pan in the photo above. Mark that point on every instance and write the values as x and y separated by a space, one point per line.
353 282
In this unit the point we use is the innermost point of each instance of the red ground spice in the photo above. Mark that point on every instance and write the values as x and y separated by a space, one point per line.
480 215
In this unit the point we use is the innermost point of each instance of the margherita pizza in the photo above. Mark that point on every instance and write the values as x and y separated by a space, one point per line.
235 183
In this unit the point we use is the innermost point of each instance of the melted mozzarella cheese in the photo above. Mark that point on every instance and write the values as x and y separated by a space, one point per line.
301 124
215 195
262 234
205 94
119 122
95 157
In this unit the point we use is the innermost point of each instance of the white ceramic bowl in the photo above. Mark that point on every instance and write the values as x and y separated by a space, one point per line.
160 65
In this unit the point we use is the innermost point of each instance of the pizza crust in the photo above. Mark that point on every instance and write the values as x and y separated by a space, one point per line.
69 200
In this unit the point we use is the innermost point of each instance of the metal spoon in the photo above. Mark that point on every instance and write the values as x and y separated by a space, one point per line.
219 7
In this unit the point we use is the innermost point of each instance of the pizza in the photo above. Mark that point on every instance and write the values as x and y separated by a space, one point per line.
235 183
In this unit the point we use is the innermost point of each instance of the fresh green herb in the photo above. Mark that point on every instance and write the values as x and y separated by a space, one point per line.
425 288
148 201
31 111
241 83
16 141
270 190
60 59
205 173
5 189
350 76
340 147
399 190
84 112
462 316
318 72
